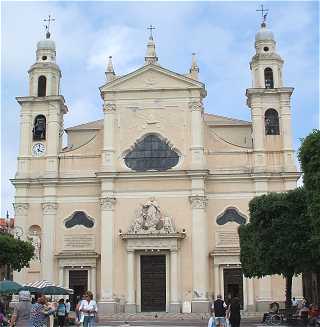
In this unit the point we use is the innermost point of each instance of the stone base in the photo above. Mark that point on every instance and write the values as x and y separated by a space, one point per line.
200 306
130 308
263 306
251 308
175 308
107 307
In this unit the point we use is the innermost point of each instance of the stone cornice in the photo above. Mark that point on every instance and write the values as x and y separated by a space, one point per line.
264 91
153 236
78 254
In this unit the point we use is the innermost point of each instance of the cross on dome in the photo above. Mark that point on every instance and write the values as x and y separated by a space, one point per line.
151 28
47 26
264 13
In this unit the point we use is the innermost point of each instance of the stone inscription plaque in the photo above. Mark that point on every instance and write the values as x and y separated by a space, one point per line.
79 242
228 239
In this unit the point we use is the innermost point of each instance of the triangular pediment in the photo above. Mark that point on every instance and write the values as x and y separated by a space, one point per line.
151 77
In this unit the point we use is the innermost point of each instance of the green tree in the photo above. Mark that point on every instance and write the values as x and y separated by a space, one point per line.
309 157
15 253
276 240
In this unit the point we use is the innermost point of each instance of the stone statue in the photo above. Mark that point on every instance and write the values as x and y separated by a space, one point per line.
149 219
36 242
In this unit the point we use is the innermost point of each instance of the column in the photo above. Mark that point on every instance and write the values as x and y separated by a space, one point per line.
250 294
47 240
108 152
94 281
21 213
61 276
107 302
265 294
200 260
197 147
174 303
131 303
216 273
297 290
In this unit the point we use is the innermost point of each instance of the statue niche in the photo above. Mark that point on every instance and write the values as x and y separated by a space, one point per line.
150 219
39 128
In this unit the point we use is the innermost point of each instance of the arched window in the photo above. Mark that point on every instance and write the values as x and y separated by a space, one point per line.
151 153
39 128
271 121
79 218
42 86
268 78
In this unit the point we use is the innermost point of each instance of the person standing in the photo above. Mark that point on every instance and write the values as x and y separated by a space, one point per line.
40 313
89 309
219 307
67 310
234 312
61 313
21 312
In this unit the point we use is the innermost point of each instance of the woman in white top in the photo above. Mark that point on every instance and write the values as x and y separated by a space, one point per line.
89 309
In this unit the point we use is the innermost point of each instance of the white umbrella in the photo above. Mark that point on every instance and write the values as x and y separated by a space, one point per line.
46 287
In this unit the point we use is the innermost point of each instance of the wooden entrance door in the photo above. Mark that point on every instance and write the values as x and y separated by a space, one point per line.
153 282
233 284
78 281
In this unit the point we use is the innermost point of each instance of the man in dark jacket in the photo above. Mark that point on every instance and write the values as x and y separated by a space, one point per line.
220 308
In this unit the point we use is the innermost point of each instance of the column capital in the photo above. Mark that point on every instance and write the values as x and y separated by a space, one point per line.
196 106
109 107
198 201
107 203
20 209
49 208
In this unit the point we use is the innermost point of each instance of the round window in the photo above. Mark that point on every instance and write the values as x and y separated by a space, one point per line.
266 49
44 57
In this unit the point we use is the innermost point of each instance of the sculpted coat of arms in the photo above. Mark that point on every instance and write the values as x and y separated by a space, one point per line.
149 219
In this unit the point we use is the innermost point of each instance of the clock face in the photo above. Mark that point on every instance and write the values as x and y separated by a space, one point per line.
38 149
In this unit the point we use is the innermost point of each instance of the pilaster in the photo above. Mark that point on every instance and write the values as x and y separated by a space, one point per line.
175 305
49 210
108 152
197 146
21 214
200 261
107 302
131 303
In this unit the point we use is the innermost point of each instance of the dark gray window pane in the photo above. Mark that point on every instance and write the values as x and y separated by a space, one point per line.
151 153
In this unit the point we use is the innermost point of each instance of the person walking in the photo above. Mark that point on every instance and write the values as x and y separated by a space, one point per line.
234 312
61 313
219 308
21 312
89 309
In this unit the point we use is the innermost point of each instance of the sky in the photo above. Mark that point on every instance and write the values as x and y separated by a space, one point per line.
221 33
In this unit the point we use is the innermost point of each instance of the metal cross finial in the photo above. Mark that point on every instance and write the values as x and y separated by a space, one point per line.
151 28
264 13
47 26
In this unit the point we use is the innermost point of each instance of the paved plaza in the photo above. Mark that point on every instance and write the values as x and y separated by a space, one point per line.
175 323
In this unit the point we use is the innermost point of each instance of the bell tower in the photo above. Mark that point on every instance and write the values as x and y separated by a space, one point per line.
41 123
269 102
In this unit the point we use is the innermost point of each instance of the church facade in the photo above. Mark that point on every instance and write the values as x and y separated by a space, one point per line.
142 207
